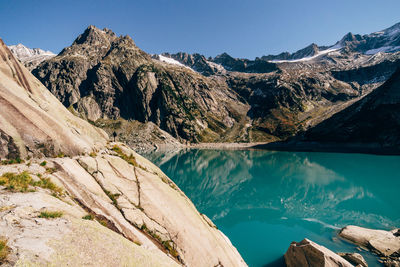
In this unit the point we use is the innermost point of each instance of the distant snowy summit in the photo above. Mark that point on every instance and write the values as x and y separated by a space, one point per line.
30 57
352 51
385 41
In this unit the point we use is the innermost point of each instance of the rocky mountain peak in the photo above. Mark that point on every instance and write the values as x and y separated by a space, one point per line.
308 51
395 29
93 35
350 37
223 56
30 57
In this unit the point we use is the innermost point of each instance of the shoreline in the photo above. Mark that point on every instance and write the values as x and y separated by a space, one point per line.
229 146
356 148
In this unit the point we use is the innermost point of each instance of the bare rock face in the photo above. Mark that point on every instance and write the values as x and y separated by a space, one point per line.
32 121
308 253
65 241
384 243
372 121
124 192
354 258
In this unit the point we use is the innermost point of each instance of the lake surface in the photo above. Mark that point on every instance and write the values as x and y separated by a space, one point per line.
264 200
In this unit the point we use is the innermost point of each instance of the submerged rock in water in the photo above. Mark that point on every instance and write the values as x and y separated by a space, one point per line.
354 258
308 253
384 243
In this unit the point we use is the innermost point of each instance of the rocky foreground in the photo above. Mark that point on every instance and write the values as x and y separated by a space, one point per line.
104 209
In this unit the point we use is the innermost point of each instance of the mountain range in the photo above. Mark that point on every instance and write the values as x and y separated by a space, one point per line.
30 57
105 78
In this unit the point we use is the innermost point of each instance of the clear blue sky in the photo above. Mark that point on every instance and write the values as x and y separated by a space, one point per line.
243 28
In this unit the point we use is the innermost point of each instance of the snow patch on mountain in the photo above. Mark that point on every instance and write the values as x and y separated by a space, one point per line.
384 49
171 61
21 51
216 66
30 57
331 49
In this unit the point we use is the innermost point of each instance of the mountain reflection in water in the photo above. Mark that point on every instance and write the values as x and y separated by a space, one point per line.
263 200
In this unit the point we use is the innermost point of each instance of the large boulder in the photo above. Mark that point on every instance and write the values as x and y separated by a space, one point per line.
354 258
384 243
307 253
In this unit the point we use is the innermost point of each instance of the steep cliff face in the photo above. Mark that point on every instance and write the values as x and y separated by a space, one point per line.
33 122
104 76
374 120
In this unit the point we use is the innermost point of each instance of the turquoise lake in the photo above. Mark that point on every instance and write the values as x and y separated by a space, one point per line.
264 200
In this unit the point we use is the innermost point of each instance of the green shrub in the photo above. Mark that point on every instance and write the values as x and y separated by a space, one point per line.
43 163
130 159
21 182
104 223
16 182
88 217
12 161
46 183
51 214
51 170
4 250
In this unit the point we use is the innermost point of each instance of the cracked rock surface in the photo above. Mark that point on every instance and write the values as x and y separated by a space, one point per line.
139 204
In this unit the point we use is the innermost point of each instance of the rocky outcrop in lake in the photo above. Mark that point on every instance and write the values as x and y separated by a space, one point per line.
308 254
385 244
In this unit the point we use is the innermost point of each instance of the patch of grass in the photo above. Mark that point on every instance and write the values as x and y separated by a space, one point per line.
51 214
113 197
4 250
4 208
92 154
165 243
130 159
104 223
61 155
23 182
46 183
88 217
16 182
51 170
12 161
43 163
